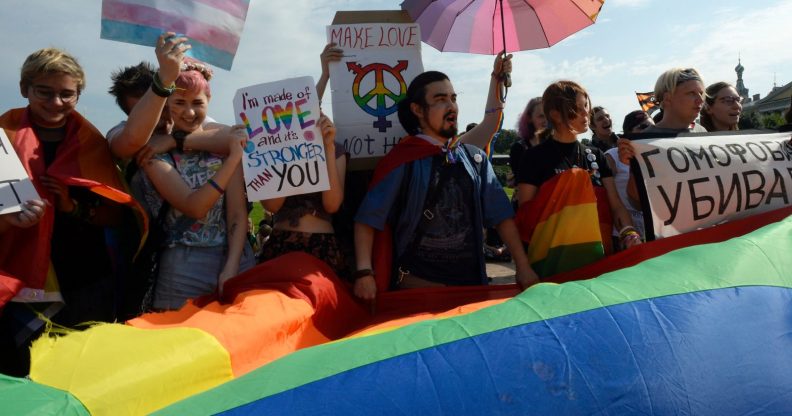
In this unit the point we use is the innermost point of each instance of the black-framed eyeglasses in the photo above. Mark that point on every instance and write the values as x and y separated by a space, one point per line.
729 100
47 94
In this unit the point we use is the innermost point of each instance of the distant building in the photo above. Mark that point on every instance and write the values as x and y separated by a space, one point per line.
777 101
740 85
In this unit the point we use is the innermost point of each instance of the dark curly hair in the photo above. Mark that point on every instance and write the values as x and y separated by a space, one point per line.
131 81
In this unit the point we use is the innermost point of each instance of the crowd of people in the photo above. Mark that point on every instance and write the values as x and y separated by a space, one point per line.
426 207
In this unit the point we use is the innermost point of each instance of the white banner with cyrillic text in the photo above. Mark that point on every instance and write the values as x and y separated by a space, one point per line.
696 182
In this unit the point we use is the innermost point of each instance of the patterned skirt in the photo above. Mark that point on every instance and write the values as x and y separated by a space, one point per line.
324 246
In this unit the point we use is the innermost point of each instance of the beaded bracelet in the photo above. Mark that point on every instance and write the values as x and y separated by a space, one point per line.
217 187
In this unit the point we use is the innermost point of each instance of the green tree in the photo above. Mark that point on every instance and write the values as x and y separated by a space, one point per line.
773 120
504 141
749 121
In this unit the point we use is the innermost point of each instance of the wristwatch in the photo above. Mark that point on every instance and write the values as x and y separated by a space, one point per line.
362 273
179 136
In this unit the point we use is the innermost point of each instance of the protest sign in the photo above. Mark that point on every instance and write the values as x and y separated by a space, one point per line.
285 154
212 27
697 182
380 60
15 185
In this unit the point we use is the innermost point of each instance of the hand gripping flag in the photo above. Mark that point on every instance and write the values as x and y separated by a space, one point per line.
212 26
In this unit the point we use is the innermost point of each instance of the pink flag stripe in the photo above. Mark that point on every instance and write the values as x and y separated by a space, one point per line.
236 8
147 16
190 9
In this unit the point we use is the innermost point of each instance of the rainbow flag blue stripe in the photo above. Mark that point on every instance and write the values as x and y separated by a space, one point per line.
700 330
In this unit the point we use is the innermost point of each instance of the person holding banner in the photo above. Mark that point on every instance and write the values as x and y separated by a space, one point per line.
206 241
59 251
722 108
568 200
680 92
436 196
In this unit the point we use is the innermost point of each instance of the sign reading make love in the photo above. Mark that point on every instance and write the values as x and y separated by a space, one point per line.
380 60
15 186
285 154
696 182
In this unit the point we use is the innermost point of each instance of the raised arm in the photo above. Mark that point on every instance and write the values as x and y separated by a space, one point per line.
330 54
481 135
193 203
146 113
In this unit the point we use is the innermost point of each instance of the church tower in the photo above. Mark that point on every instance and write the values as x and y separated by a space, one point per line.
740 85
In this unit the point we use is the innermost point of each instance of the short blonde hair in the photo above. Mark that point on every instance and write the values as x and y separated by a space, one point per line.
669 80
49 61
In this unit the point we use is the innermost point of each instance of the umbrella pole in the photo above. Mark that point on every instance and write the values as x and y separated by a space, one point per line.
505 78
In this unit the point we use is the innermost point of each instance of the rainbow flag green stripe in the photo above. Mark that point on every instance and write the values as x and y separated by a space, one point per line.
758 259
20 396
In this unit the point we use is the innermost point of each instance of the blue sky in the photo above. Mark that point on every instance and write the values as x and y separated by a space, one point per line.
630 45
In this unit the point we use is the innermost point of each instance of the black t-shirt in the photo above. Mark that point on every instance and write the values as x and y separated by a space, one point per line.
444 249
79 251
542 162
516 153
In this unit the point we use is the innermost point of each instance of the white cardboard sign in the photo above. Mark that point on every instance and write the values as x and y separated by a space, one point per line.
285 154
15 185
380 60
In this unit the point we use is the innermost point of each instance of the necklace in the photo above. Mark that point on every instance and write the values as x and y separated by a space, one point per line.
571 163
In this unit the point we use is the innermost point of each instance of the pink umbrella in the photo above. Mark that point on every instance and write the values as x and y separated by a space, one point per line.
490 26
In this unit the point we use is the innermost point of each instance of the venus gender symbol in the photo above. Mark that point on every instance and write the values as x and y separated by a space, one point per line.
380 91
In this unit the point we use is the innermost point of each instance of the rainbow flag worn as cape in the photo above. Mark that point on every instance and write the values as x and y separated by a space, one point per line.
83 159
562 224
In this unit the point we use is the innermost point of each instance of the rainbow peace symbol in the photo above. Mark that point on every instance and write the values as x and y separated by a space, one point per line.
379 92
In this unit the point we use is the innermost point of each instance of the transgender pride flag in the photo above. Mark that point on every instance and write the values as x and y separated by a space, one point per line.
212 26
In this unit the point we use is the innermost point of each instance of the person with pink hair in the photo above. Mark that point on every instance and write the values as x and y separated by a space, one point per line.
205 227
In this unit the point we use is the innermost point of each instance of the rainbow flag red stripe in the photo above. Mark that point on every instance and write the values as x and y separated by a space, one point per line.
561 224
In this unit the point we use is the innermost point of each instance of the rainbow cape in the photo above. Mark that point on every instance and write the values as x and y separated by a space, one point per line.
695 324
564 224
83 159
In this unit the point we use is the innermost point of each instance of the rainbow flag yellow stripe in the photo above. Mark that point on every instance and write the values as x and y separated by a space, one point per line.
567 231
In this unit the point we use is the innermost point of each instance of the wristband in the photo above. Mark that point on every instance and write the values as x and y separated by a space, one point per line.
217 187
159 89
362 273
179 136
493 110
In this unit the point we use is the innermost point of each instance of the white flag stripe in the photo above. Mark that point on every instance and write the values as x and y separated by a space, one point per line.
195 11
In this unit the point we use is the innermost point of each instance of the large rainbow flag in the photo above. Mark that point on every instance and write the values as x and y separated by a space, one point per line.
212 26
693 324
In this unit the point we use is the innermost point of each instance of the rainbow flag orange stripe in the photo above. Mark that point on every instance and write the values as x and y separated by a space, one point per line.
561 224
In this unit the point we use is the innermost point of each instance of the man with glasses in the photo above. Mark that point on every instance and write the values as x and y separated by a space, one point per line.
57 249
